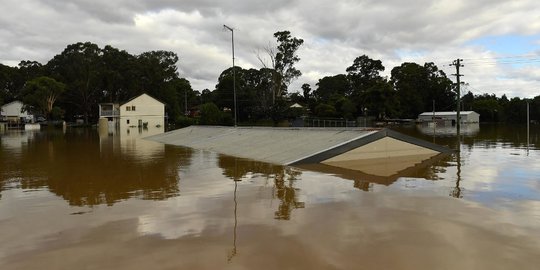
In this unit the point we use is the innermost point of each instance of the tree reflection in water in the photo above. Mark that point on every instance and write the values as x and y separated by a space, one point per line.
83 171
283 177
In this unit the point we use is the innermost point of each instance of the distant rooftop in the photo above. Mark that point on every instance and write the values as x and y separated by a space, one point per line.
446 113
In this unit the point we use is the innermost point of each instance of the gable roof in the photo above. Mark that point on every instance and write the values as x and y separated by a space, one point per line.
135 97
285 146
15 101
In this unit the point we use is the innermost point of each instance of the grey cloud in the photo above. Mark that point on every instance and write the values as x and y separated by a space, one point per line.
335 31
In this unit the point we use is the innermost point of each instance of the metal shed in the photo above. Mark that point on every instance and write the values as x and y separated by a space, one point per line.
466 117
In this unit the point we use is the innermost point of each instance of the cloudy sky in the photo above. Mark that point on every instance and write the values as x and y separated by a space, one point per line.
499 40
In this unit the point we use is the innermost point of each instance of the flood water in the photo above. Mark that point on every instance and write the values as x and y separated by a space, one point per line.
77 200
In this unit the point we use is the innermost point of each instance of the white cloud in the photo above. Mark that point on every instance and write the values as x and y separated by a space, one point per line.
335 32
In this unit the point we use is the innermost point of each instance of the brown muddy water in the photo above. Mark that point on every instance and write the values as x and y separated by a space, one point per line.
77 200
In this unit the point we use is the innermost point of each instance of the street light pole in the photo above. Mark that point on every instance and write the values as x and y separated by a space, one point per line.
234 72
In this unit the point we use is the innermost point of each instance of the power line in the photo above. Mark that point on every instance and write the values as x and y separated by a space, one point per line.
503 57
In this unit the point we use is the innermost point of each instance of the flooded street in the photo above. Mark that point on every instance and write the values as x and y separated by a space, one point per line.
78 200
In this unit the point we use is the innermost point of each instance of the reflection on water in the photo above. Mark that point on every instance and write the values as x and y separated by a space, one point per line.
362 180
282 177
445 129
82 199
85 170
493 164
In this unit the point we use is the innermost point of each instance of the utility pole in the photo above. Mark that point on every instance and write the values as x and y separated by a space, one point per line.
234 72
528 127
457 64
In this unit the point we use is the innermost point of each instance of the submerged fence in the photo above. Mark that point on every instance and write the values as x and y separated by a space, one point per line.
328 122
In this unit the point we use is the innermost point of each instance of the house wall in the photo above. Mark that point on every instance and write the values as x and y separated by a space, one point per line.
143 105
141 110
472 117
383 148
383 157
14 111
140 121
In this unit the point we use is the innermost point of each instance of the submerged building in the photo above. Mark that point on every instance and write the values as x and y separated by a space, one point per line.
380 152
141 111
14 112
465 116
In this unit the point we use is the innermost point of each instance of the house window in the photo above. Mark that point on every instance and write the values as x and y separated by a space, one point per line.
133 108
128 108
128 121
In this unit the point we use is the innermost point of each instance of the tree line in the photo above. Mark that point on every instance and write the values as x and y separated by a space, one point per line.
72 83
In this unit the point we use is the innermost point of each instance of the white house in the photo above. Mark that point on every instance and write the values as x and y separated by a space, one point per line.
465 116
141 111
13 112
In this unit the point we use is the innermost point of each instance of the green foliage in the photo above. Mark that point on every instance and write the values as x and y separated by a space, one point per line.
363 73
279 111
325 110
488 107
210 114
7 83
57 113
294 112
346 108
286 57
417 86
331 88
306 91
91 75
534 108
283 58
40 95
184 121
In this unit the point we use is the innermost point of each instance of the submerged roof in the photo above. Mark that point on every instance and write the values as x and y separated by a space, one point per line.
446 113
292 146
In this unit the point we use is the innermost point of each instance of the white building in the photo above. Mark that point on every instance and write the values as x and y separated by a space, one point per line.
121 126
13 112
142 111
465 116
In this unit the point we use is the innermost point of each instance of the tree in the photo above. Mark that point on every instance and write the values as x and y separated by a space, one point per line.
118 78
155 69
224 93
282 60
346 108
325 110
79 66
367 84
534 107
157 75
8 87
306 91
381 101
210 114
331 88
488 107
363 73
417 86
40 95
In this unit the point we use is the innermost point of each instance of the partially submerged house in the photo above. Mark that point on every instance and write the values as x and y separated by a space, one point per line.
380 152
13 112
451 117
142 111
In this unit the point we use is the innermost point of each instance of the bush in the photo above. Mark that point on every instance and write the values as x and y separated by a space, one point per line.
183 121
210 114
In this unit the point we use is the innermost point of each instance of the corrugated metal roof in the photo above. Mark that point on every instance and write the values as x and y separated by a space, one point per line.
283 146
445 113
